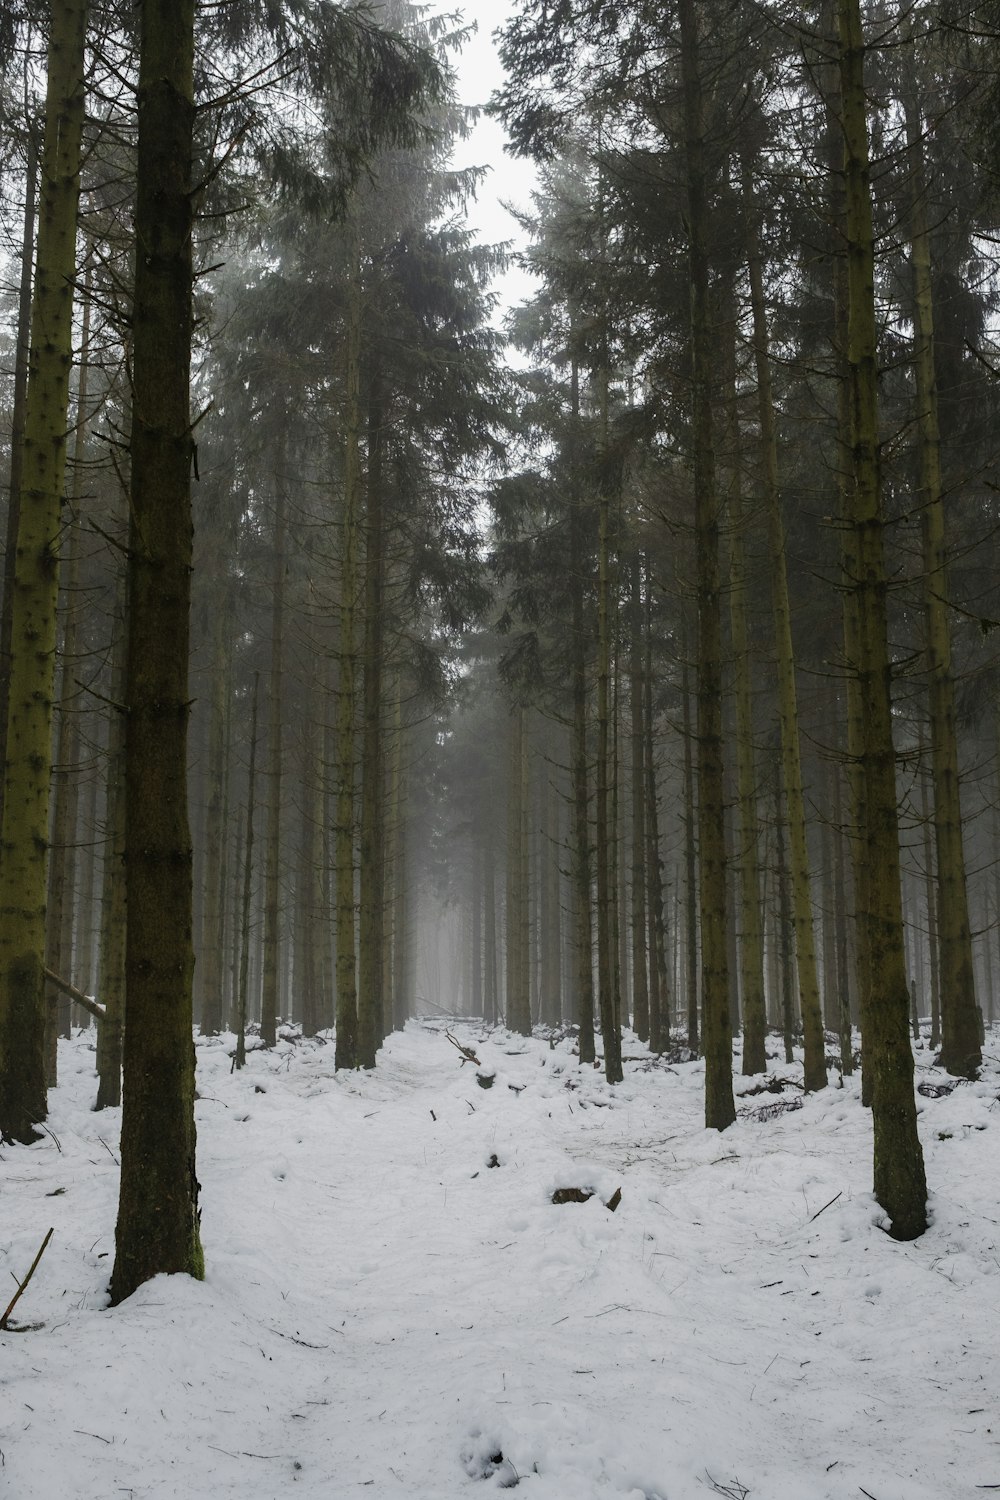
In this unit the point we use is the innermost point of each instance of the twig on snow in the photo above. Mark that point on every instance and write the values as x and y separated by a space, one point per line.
827 1205
467 1053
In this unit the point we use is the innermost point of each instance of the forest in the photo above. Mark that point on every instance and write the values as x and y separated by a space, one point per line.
443 734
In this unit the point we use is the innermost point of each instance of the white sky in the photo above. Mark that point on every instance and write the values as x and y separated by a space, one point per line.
479 73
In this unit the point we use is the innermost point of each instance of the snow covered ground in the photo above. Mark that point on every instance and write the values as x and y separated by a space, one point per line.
388 1314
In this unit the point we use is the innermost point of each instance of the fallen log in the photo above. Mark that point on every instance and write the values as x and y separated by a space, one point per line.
86 1002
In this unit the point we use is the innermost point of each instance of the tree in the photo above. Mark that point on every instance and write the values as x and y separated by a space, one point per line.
24 833
158 1217
900 1185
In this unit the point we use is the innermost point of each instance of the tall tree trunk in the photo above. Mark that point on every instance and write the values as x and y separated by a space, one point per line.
372 851
788 713
931 892
243 927
111 967
961 1051
690 869
751 942
839 896
21 362
900 1185
221 629
347 981
720 1109
582 929
605 833
518 944
640 981
489 936
307 975
786 953
24 833
158 1217
66 768
660 980
270 995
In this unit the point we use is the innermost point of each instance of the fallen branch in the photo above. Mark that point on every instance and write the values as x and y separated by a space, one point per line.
467 1054
86 1002
23 1285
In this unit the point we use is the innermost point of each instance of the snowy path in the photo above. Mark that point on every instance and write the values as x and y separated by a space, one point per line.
385 1313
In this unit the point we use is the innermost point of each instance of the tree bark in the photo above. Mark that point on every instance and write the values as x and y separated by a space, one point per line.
158 1219
270 996
347 982
372 849
720 1109
788 713
24 833
582 926
961 1051
899 1181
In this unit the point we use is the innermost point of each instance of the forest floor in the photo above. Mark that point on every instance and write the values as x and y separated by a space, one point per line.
388 1314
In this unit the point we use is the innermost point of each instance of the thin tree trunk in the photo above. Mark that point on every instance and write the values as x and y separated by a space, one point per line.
785 951
961 1051
640 982
66 768
270 996
607 935
243 987
840 924
690 869
221 629
660 980
582 929
111 968
788 714
931 892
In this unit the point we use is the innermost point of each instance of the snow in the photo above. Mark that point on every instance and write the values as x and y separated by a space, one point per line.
386 1314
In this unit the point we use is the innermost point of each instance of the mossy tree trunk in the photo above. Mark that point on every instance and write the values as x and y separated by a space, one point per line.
24 833
899 1181
158 1218
17 415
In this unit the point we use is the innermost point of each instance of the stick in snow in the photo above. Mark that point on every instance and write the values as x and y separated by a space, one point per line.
20 1291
